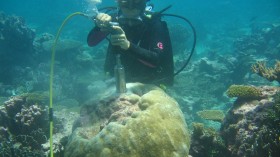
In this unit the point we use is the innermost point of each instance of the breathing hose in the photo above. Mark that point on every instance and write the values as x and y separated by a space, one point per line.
193 45
51 76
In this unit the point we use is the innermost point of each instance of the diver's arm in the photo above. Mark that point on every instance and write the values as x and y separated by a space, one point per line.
160 46
119 39
95 36
100 31
151 57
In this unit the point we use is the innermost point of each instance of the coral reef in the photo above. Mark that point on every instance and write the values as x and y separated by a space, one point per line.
13 149
24 126
251 127
271 74
63 46
40 52
75 66
143 122
215 115
254 43
263 42
84 59
16 45
62 129
244 92
206 142
270 34
192 89
14 34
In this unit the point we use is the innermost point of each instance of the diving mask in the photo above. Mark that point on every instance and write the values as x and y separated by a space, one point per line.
131 12
130 21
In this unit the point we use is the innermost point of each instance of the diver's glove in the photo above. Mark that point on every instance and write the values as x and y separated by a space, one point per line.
102 21
118 38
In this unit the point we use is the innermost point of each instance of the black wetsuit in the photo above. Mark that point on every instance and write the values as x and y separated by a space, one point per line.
149 57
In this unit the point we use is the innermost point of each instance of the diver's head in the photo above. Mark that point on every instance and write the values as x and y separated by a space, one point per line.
132 8
132 4
131 11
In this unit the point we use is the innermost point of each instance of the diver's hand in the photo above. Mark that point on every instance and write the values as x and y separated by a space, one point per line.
119 38
102 21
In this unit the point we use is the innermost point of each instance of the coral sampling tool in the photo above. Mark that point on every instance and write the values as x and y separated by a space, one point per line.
120 76
119 70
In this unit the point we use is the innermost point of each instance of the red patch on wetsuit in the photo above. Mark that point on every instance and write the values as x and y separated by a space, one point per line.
160 45
147 63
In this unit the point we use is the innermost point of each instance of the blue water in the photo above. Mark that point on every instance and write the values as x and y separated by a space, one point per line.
218 23
210 17
206 15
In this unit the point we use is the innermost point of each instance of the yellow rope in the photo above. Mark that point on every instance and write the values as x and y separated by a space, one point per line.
51 78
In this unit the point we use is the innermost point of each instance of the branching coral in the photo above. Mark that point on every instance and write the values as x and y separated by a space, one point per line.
271 74
28 117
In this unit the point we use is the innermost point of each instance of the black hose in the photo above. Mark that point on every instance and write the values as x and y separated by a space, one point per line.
192 50
193 45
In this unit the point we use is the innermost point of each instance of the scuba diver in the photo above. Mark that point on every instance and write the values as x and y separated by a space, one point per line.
139 40
142 42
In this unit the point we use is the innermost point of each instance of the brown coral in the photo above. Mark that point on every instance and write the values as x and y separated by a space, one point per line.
271 74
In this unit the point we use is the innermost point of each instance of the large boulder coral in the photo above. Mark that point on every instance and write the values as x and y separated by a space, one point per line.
145 121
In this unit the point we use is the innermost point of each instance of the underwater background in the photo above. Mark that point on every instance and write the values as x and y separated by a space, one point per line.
228 93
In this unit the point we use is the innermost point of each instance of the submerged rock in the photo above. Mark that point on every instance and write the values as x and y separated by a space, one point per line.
23 125
16 47
251 127
145 121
